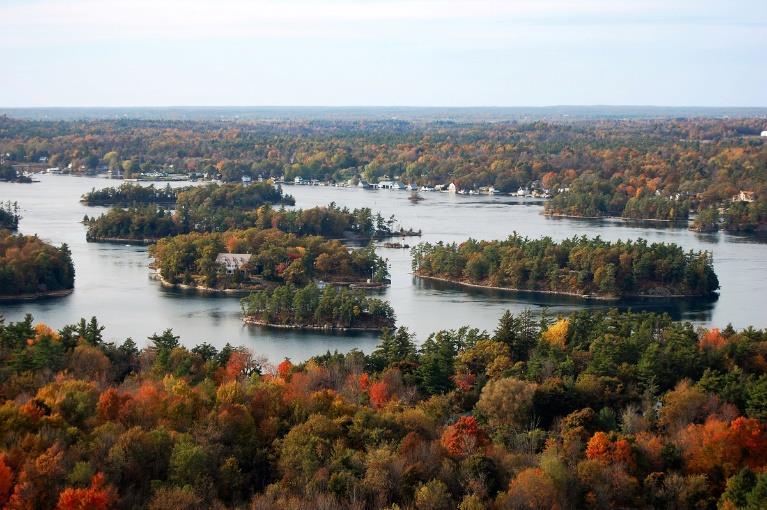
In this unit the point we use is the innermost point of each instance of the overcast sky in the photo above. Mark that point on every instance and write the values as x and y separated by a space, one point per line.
383 52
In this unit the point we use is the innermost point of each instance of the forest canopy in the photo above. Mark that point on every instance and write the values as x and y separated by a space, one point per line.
597 410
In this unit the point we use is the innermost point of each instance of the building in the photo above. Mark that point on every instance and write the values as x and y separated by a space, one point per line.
764 134
233 261
391 185
451 188
744 196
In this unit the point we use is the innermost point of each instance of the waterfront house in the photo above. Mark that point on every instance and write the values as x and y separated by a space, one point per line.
233 261
744 196
764 134
391 185
451 188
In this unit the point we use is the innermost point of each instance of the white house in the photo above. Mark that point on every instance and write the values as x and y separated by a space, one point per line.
451 188
764 134
233 261
390 185
744 196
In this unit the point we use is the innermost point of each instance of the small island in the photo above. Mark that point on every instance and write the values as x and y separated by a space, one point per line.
132 194
309 307
32 269
255 259
9 215
10 174
583 267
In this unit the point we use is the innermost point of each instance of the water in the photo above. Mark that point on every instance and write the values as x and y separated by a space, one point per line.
112 281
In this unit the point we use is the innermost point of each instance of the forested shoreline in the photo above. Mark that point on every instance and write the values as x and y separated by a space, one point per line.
577 266
597 410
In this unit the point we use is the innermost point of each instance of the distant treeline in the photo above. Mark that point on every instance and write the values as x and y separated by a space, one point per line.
311 307
668 165
276 257
29 266
576 266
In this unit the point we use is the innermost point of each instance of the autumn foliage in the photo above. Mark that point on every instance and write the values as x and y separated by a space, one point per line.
631 411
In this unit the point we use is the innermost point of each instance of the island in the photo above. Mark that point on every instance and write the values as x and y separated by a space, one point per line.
132 194
152 222
255 259
309 307
32 269
10 174
589 268
9 215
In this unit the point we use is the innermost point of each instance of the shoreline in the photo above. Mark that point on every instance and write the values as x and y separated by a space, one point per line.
37 295
210 290
309 327
121 240
609 217
596 297
199 288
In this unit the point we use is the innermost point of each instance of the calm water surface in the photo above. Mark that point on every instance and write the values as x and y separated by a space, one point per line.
113 283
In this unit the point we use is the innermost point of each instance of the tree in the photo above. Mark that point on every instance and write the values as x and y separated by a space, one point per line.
6 481
506 402
556 334
519 333
532 489
98 496
464 437
433 495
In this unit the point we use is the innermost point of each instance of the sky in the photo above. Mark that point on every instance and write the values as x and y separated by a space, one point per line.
383 52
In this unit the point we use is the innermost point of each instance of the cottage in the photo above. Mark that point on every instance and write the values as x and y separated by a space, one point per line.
233 261
391 185
744 196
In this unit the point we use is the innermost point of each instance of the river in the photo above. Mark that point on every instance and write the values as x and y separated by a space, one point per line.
113 282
